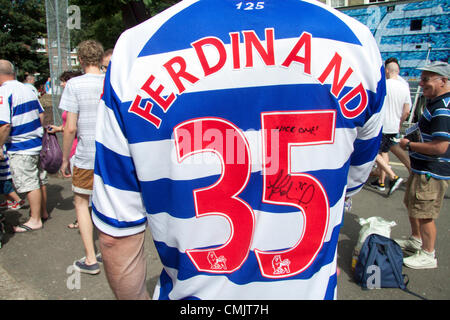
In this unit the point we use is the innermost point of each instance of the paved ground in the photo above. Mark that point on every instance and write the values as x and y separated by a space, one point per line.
37 265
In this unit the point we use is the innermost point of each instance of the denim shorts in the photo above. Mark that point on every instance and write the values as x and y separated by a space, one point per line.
26 172
6 186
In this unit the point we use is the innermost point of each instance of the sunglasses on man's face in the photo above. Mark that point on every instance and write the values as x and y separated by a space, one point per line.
427 79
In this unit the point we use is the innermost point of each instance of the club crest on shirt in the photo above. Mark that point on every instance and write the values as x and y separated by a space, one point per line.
280 266
1 99
217 263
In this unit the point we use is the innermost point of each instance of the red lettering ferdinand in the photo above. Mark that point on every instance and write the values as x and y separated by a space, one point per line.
176 67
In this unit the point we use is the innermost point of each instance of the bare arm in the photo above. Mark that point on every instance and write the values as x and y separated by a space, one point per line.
53 129
431 148
68 136
42 119
4 134
125 265
405 113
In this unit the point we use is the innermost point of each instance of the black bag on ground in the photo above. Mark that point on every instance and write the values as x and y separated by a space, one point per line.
380 265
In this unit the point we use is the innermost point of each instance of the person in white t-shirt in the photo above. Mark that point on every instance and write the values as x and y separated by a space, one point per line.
80 99
399 77
396 111
395 149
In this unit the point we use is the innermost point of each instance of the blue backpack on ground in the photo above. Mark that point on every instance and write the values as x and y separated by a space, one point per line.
380 265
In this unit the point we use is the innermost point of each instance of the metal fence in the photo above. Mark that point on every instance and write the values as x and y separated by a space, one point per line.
58 49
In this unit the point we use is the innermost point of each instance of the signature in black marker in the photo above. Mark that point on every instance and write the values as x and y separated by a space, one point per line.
300 192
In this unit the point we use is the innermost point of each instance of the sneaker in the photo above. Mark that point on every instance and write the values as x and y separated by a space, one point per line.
81 266
421 260
377 185
16 205
4 205
98 256
412 244
394 184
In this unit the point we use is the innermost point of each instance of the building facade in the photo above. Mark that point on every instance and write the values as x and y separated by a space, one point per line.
412 31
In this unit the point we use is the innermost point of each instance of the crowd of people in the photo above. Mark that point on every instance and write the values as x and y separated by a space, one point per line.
94 124
20 170
429 172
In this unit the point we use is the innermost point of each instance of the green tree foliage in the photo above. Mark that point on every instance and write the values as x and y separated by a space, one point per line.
22 22
106 20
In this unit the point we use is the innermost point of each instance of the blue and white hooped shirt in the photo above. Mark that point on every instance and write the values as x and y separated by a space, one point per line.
5 172
434 124
234 130
20 108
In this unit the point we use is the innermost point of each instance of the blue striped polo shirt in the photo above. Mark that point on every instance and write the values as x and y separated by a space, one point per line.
20 108
434 125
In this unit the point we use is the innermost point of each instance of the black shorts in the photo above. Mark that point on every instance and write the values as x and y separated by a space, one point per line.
387 141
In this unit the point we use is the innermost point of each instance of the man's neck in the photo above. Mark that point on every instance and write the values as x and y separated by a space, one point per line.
4 78
393 76
92 70
442 92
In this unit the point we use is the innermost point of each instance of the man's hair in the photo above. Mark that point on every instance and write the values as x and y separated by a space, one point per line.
391 59
108 52
6 67
67 75
392 67
90 52
29 78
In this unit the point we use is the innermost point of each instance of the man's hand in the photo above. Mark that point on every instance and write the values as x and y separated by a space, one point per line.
403 142
65 169
432 148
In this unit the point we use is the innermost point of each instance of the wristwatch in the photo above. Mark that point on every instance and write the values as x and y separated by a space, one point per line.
408 146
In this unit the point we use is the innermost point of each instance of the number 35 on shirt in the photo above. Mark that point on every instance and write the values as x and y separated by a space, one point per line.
280 187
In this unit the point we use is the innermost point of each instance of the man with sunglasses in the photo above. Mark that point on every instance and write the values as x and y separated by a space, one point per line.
430 164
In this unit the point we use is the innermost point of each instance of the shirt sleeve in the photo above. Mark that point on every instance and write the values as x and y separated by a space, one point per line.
407 97
440 122
41 108
367 143
118 208
5 107
69 99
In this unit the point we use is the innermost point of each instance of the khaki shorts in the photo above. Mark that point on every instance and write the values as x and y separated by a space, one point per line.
26 172
424 197
82 180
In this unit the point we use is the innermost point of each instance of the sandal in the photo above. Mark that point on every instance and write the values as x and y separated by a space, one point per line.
73 225
25 228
